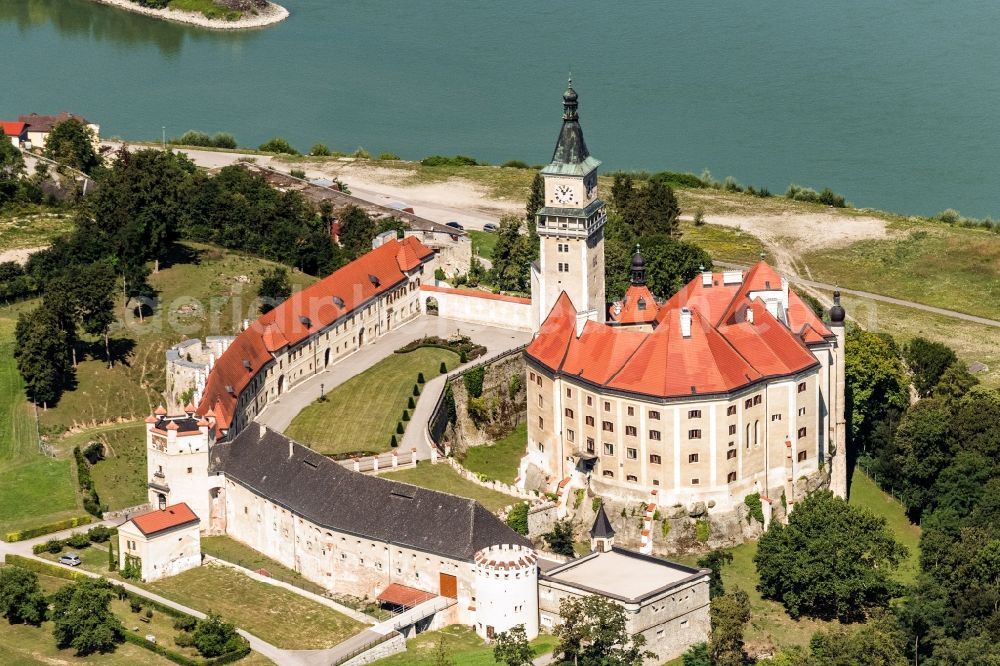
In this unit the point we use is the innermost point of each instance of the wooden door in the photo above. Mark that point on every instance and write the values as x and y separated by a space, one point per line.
449 586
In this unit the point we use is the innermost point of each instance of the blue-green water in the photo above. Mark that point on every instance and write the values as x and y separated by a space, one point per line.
893 104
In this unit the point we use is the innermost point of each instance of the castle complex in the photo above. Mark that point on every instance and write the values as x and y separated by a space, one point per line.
733 386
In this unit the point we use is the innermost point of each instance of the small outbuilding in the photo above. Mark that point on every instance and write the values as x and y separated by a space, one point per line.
163 543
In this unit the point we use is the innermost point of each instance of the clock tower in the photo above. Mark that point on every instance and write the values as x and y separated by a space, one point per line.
570 226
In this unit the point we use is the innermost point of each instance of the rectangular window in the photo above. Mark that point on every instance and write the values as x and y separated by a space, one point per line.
590 401
775 417
630 430
589 420
692 457
541 422
538 379
631 453
732 429
539 401
695 482
694 434
590 445
655 459
802 387
694 414
607 426
730 454
607 406
655 415
608 473
570 435
748 403
801 456
802 433
757 399
631 410
632 477
569 413
609 449
569 393
654 435
802 411
731 410
730 477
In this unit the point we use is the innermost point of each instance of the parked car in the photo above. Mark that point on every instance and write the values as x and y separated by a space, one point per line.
455 225
490 227
70 559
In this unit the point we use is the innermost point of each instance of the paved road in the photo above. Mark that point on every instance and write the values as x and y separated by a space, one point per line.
879 297
279 414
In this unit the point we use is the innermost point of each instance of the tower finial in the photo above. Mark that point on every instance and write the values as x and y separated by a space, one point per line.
569 101
638 268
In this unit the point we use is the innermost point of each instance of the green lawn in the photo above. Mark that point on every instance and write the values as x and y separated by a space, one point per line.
34 489
360 415
33 226
500 459
206 7
483 243
864 493
233 551
927 262
442 477
724 243
276 615
463 645
121 477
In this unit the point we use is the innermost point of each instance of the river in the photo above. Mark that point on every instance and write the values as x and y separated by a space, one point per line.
893 104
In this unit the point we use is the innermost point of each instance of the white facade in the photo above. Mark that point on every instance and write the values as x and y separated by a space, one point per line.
506 586
162 554
478 307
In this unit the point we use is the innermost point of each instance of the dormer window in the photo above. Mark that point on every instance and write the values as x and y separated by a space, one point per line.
305 321
338 301
374 280
641 303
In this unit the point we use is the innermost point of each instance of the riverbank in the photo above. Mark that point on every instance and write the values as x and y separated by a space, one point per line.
272 14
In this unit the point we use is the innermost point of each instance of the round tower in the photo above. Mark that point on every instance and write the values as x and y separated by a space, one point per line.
506 588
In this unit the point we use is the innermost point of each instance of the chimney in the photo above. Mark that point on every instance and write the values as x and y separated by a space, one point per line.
749 315
685 322
732 277
706 278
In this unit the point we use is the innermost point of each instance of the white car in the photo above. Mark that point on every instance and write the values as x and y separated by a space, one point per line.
70 559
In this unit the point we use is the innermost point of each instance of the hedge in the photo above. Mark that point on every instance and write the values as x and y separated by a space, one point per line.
44 568
39 548
184 660
42 530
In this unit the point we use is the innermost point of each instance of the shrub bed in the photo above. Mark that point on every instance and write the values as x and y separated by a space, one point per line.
471 350
97 534
49 528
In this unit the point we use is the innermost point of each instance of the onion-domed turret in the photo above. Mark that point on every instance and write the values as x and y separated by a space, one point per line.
837 313
638 268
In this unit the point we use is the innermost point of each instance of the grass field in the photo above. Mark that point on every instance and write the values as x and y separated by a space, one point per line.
361 414
34 226
483 243
500 459
233 551
926 262
34 488
463 646
724 243
206 7
120 478
864 493
274 614
442 477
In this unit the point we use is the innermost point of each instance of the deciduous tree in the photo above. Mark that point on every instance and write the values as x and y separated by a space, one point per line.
512 647
593 633
41 352
560 539
275 288
729 616
83 619
832 560
927 360
213 637
21 598
70 142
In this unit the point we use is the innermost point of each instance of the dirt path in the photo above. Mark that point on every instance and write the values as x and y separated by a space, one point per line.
20 255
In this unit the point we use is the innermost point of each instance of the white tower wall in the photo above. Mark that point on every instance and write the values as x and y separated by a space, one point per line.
506 588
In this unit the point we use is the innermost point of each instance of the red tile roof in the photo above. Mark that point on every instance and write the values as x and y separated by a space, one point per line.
638 307
401 595
725 351
12 128
165 519
303 314
476 293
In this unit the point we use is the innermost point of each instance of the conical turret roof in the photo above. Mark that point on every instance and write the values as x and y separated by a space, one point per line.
602 526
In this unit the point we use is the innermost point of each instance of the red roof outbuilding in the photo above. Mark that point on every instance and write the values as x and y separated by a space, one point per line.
154 522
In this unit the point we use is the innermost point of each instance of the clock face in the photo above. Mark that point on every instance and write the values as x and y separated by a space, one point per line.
563 194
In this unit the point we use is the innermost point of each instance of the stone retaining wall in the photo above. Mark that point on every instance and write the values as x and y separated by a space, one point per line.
386 648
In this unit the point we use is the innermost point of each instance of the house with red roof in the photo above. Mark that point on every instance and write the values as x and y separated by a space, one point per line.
39 126
16 132
163 542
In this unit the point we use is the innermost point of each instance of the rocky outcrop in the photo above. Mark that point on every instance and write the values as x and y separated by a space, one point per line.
500 407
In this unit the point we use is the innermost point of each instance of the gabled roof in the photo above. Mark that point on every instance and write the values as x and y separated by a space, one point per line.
554 335
173 516
327 494
306 313
638 307
12 128
600 351
38 123
602 526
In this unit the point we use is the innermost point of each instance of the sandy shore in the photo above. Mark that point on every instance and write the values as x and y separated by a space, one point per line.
273 14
